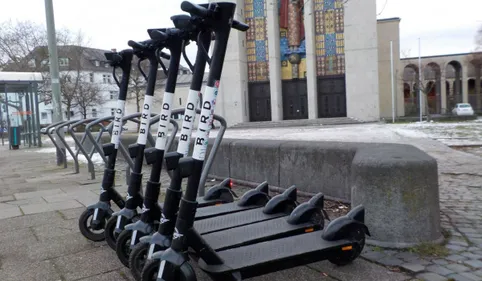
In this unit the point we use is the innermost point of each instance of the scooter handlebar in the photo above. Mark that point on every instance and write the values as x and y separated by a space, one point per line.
239 26
194 9
200 11
158 35
136 45
165 56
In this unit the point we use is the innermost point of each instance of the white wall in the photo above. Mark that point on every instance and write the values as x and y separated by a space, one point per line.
361 60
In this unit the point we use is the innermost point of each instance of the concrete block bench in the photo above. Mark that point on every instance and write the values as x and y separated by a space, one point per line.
397 184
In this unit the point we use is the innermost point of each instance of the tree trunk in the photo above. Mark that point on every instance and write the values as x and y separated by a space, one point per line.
84 113
478 96
427 108
68 112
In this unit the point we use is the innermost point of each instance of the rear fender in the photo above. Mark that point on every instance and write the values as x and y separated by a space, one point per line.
254 197
342 227
305 211
220 191
282 202
357 214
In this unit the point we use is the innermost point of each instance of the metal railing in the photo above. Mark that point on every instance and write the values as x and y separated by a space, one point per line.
97 146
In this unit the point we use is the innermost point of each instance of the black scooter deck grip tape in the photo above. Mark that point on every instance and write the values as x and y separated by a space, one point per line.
108 179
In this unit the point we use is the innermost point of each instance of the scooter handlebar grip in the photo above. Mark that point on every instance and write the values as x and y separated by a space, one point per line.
194 9
159 35
165 56
135 44
239 26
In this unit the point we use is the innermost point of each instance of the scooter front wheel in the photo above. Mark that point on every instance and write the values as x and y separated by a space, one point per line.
150 270
123 245
138 258
91 232
109 233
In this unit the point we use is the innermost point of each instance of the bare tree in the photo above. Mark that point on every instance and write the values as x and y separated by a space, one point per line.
137 83
87 96
23 47
417 82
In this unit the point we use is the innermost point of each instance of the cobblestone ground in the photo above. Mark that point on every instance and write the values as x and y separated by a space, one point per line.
39 238
460 179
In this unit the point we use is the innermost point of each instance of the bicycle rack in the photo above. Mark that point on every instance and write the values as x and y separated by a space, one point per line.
153 120
80 147
214 149
49 134
66 145
123 150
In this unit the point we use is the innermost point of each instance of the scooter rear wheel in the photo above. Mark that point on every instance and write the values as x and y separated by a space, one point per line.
138 259
86 228
109 232
346 257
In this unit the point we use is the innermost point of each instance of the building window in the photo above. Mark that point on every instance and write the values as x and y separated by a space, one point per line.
106 65
97 63
72 113
44 115
94 112
106 78
91 77
63 62
112 111
31 63
180 101
113 94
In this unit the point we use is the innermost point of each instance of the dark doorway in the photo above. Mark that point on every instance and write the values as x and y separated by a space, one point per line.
259 101
295 99
331 96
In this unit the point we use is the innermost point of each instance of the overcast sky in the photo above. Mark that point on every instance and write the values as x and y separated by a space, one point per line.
444 26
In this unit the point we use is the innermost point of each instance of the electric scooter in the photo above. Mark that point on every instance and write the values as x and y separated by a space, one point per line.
95 216
173 39
340 242
150 50
253 198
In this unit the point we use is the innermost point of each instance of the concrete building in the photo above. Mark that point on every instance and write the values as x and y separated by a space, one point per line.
446 80
302 59
331 58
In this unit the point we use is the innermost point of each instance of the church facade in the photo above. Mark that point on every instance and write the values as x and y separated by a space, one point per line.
302 59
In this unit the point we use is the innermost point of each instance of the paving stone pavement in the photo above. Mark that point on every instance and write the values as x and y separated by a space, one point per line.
460 184
39 238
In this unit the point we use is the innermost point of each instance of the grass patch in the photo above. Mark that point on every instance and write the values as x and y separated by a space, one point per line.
377 249
433 249
430 250
446 234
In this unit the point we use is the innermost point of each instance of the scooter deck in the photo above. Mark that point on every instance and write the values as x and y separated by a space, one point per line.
257 232
218 210
233 220
265 257
203 202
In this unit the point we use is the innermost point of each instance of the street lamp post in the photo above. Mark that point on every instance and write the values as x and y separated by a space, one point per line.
54 72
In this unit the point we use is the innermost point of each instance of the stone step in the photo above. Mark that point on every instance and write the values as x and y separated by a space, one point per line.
297 123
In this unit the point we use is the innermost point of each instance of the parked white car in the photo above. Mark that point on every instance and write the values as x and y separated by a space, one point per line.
463 109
